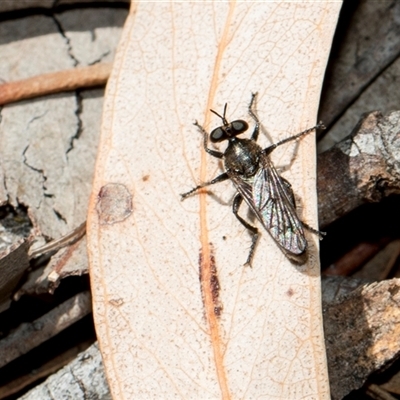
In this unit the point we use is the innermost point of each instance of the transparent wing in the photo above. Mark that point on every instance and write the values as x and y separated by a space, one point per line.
271 199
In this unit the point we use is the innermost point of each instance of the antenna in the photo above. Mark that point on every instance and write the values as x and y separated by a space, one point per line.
222 117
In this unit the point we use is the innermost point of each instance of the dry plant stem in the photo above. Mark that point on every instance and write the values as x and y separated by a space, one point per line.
392 385
376 392
30 335
55 82
364 167
57 244
355 258
380 266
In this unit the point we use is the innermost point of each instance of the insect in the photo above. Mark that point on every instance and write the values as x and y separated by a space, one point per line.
269 196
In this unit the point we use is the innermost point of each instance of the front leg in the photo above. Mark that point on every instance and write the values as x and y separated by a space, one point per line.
253 115
219 178
269 149
214 153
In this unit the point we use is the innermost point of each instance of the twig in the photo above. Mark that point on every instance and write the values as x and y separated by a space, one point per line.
57 244
355 258
55 82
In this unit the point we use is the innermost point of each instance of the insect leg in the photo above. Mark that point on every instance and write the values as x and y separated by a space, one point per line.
219 178
315 231
237 201
290 194
269 149
254 135
214 153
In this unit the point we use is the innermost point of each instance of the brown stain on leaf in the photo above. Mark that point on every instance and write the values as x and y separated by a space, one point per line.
117 302
114 203
210 287
213 285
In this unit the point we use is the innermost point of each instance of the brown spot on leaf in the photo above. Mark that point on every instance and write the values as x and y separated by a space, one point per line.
114 203
213 286
116 302
290 292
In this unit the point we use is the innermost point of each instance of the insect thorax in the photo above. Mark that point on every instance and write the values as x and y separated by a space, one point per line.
242 156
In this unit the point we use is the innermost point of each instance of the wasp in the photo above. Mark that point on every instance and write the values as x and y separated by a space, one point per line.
269 196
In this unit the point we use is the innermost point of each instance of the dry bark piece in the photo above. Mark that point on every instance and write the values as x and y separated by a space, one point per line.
62 81
369 46
70 261
362 53
365 167
11 5
361 334
334 288
39 138
43 371
83 378
49 145
29 335
13 264
379 95
99 38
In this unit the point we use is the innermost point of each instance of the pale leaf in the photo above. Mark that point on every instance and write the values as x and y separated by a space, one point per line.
157 323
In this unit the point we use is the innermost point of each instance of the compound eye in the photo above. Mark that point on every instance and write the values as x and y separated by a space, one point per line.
239 126
217 135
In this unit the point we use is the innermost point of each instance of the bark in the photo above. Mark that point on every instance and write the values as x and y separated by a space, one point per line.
365 167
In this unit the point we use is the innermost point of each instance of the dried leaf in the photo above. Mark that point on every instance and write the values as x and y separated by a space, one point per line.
239 332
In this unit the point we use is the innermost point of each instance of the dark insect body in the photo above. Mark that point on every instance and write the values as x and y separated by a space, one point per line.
268 195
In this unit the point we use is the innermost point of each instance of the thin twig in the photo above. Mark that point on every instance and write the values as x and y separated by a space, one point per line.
57 244
40 85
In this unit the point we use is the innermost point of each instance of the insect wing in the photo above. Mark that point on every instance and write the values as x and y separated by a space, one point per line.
275 207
